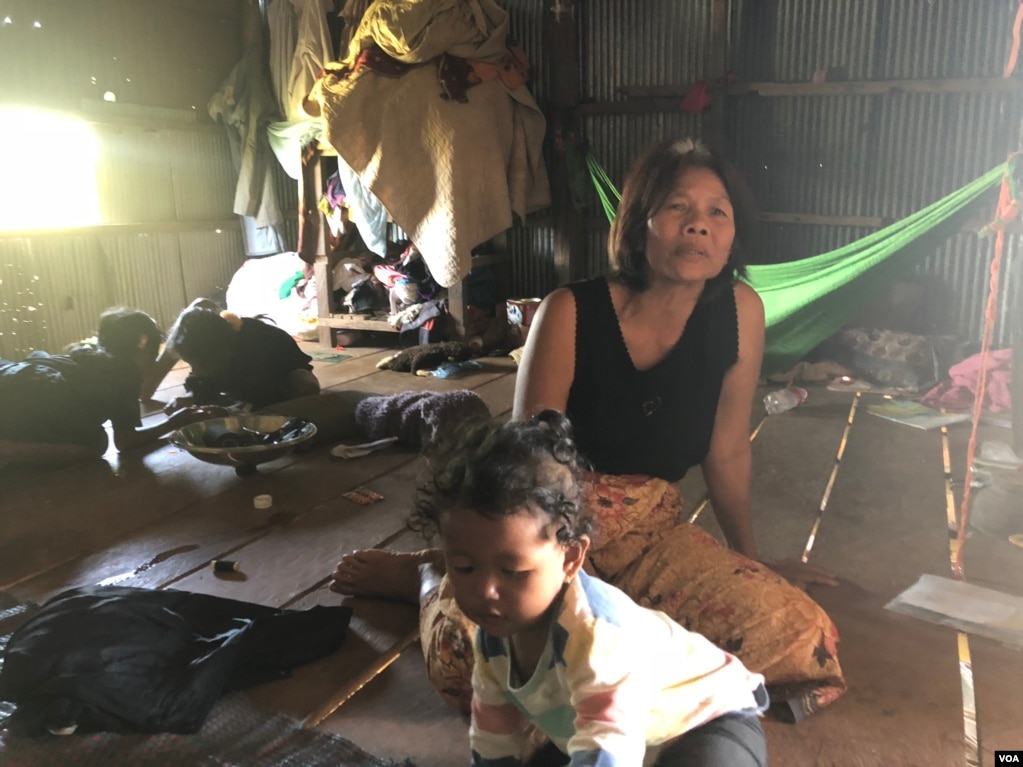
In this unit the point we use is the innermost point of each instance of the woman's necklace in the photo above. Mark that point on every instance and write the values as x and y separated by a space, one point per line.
651 405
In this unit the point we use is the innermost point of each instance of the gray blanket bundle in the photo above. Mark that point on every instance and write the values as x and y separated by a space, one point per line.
416 418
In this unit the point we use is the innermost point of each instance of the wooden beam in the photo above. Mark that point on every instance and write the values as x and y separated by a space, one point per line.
667 98
150 125
870 88
630 107
106 230
872 222
357 322
973 225
714 127
1011 86
1017 368
312 234
560 40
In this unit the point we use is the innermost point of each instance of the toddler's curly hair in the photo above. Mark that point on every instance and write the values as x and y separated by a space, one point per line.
500 469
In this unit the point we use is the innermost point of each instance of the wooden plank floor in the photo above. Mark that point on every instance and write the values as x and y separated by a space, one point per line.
156 520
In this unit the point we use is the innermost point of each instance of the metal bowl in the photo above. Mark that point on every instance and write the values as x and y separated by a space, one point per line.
190 438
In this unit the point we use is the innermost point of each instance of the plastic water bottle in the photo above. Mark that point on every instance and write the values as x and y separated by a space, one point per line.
784 399
453 369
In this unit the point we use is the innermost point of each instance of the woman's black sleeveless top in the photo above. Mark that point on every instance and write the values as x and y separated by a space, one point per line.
658 421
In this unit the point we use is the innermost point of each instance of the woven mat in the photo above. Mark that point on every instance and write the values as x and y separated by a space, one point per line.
236 734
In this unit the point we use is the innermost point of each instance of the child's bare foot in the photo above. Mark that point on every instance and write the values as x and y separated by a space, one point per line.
386 574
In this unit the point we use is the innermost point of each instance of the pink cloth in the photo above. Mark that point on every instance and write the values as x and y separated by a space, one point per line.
960 390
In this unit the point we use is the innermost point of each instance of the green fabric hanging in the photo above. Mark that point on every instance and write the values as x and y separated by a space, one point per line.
807 301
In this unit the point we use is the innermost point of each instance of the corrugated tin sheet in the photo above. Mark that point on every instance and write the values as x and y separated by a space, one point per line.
788 40
209 260
526 27
655 42
597 259
22 327
144 270
863 156
157 164
806 154
930 144
147 175
60 288
145 52
286 189
530 250
947 38
882 156
617 140
875 157
54 288
961 268
203 179
790 242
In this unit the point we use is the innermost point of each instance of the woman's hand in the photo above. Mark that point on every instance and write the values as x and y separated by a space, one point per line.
800 574
208 411
176 404
193 414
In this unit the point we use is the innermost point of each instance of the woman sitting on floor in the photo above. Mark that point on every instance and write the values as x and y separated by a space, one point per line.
656 366
237 359
53 407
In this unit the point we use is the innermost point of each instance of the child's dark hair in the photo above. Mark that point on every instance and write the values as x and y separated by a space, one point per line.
201 337
124 332
497 469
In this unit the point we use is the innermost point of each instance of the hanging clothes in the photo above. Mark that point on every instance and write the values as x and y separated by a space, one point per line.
245 105
300 46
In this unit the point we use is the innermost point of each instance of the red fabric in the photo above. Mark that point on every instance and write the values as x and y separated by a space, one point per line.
697 98
457 75
959 391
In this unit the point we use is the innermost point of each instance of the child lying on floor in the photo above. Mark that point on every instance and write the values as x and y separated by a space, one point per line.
607 681
53 407
237 359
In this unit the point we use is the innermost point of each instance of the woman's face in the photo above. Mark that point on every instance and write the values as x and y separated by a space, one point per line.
690 237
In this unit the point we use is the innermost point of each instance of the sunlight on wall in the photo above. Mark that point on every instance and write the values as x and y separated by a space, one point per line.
47 171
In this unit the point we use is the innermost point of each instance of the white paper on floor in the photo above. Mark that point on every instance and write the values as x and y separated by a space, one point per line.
357 451
963 606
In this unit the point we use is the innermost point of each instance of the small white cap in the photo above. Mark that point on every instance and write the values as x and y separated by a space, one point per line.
263 501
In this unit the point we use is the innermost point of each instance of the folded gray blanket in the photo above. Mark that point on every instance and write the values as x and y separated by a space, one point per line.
416 418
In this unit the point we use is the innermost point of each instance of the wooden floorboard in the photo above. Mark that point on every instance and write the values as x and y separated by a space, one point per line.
992 562
377 626
294 557
885 525
792 458
902 706
214 527
399 715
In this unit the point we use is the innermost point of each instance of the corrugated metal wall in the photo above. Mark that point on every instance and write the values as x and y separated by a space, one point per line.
164 173
871 156
654 42
879 157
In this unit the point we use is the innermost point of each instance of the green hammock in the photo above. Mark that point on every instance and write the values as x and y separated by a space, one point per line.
807 301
